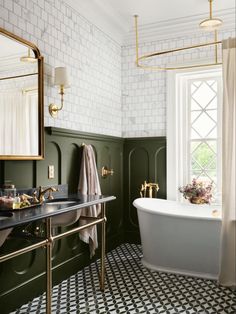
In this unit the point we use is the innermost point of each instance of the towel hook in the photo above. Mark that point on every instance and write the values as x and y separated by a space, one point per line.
107 172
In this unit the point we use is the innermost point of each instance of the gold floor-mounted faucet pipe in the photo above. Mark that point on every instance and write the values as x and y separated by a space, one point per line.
150 187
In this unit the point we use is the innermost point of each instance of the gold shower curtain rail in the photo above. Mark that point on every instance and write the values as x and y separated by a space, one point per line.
17 76
215 43
30 89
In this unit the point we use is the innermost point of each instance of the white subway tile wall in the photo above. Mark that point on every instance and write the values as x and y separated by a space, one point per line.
65 38
108 94
144 91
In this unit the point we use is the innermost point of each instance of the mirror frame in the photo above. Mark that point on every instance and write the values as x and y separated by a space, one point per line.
40 100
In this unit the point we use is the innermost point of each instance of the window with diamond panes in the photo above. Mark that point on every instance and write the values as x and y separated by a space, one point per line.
204 131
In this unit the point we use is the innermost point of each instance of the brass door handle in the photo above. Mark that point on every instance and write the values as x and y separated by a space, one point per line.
107 172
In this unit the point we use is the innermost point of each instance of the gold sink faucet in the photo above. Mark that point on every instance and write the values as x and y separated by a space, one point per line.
42 192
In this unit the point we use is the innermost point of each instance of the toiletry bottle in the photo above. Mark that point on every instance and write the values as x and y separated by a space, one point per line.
16 204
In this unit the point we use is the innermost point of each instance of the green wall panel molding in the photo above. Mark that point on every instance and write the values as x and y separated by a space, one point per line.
144 159
24 276
78 134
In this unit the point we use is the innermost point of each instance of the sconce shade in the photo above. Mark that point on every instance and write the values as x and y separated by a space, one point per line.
61 77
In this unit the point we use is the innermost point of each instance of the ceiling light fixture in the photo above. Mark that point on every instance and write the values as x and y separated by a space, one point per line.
210 24
28 58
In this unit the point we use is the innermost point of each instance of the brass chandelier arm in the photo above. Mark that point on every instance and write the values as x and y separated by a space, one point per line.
215 43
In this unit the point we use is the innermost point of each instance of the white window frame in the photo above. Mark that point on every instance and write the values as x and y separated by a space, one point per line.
177 127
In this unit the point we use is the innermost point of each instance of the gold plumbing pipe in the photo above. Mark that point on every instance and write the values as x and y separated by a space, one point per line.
31 89
49 265
216 48
150 186
210 3
103 248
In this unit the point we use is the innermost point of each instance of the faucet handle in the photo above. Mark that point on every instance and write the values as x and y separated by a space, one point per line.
50 196
35 199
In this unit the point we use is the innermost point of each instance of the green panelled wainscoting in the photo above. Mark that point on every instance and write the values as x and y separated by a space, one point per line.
23 278
144 159
133 161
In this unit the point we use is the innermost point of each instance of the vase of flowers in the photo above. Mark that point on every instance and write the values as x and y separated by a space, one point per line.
197 192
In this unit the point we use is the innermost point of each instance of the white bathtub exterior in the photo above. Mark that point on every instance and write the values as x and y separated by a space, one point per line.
179 238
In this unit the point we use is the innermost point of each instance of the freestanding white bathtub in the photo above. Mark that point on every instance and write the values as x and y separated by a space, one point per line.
180 238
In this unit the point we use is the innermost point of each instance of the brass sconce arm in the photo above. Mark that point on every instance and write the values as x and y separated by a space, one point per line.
53 108
61 79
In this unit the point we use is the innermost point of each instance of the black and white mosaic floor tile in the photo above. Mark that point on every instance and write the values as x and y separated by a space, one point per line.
131 288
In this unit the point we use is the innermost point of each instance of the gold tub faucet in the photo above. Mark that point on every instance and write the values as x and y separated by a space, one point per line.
150 186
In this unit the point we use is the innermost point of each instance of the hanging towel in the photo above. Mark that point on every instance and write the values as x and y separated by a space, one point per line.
4 234
89 185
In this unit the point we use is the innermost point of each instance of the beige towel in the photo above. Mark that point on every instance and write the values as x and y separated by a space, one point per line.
89 185
4 234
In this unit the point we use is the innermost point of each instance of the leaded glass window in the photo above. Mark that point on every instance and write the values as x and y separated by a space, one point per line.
204 98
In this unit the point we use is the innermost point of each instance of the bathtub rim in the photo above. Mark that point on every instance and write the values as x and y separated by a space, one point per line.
171 214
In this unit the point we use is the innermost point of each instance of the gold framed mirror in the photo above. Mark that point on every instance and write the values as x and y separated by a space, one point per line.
21 99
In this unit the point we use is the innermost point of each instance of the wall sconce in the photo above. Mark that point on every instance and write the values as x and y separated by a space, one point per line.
61 79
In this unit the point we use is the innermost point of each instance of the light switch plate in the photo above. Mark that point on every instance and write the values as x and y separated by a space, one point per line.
51 172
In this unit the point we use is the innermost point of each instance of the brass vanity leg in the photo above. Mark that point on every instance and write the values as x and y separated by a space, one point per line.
49 266
103 248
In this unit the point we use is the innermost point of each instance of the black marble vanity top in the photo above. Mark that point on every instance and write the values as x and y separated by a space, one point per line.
57 206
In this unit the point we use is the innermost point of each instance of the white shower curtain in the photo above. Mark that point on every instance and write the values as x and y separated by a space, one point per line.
18 120
227 275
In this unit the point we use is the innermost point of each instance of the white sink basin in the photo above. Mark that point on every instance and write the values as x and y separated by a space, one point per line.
67 218
70 203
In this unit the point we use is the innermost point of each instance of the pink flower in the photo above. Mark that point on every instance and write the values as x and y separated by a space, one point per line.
197 189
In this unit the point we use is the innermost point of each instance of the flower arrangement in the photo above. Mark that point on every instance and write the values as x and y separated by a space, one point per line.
197 192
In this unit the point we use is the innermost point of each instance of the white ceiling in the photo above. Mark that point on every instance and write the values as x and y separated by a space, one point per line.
151 11
116 16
